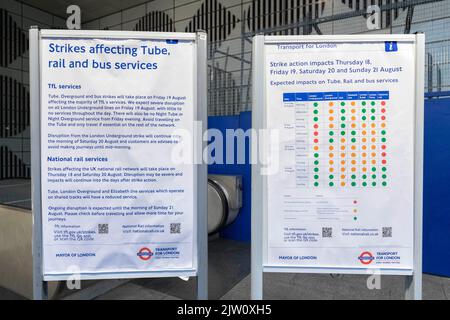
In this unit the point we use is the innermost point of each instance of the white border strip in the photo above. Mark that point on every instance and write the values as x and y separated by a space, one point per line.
50 33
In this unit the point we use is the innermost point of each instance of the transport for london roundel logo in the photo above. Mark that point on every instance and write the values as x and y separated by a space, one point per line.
366 257
145 254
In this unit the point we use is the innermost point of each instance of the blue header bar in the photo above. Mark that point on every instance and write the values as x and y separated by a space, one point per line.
324 96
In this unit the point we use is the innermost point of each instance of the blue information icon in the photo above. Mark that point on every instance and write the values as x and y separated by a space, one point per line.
390 46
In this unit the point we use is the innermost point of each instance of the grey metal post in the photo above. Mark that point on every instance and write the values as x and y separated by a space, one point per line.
202 171
39 285
258 123
414 282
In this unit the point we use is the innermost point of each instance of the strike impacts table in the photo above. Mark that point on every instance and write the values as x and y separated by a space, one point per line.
338 185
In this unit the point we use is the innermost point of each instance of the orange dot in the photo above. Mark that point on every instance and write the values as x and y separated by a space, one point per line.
331 126
343 140
331 155
330 111
353 111
373 125
343 169
374 132
353 118
353 147
343 162
331 148
364 140
373 154
330 104
383 125
353 169
364 132
342 147
364 154
363 125
373 139
352 103
363 161
331 169
331 118
364 147
343 184
364 169
373 147
316 148
353 154
342 155
374 161
342 176
331 162
353 125
353 162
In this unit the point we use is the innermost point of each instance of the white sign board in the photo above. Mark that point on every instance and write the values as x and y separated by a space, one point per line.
116 202
340 195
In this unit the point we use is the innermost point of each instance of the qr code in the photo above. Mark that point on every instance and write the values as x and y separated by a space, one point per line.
327 232
387 232
175 228
103 228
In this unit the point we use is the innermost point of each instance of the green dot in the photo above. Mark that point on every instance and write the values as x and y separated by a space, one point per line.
316 162
342 103
384 183
315 104
316 176
331 140
316 184
343 133
364 176
383 176
372 117
343 125
316 155
363 103
372 103
383 139
331 133
383 132
364 184
315 118
374 176
342 110
331 184
353 140
355 218
372 110
363 110
343 118
353 132
316 169
353 183
331 176
383 169
374 169
316 111
353 176
374 183
364 117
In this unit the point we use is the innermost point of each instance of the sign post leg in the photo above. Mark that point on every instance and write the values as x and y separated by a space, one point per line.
39 286
257 246
414 282
202 171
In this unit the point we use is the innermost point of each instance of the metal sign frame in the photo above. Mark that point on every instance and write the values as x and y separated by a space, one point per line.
413 285
200 226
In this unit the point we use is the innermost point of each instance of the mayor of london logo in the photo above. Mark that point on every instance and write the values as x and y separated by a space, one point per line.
145 254
366 257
